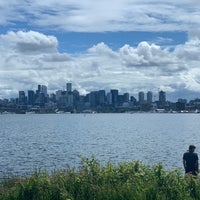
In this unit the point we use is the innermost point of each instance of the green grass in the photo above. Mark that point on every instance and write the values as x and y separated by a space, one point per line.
92 181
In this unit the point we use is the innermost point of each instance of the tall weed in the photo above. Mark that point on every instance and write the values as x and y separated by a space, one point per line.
124 181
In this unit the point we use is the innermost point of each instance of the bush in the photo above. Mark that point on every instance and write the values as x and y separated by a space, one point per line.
127 180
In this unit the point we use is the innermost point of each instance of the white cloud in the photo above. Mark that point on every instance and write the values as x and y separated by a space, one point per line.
144 67
99 16
56 57
102 49
29 58
30 42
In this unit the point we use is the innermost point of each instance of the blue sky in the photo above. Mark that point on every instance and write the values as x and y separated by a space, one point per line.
80 42
129 45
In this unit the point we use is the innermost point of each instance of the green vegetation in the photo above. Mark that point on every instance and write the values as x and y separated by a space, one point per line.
92 181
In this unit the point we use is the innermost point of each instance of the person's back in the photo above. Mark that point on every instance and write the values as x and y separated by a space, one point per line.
190 161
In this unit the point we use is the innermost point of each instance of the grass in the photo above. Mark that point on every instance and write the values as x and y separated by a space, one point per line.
92 181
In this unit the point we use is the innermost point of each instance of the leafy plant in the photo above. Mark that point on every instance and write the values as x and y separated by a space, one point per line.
124 181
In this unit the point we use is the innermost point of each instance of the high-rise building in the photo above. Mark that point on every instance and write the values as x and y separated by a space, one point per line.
61 97
52 97
41 89
126 97
109 98
70 99
141 97
22 98
102 96
93 99
69 87
182 100
44 90
114 97
162 97
133 100
42 99
120 100
180 106
31 97
76 97
149 97
58 95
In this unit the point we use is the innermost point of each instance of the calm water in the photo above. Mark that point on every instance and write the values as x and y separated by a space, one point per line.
54 141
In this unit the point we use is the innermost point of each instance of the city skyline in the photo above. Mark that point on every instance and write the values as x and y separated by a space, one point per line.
141 96
129 45
154 95
71 101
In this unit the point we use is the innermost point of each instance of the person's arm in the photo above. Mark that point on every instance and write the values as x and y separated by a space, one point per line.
197 165
184 164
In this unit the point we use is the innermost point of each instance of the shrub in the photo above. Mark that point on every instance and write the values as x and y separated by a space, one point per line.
127 180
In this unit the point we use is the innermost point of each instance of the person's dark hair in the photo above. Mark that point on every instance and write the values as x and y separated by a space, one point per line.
191 147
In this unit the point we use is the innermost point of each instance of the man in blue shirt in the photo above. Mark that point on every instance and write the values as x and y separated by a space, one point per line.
190 161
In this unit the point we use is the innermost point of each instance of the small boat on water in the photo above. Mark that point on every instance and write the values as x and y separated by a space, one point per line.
30 112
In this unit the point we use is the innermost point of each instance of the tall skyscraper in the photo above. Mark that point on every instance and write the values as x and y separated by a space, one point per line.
70 99
22 98
69 87
41 89
162 97
31 97
109 98
93 99
114 96
44 90
58 95
76 97
149 97
102 96
141 97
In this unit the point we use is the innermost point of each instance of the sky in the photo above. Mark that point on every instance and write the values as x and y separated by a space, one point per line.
129 45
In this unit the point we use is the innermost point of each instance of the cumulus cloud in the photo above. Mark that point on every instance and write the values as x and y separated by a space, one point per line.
30 42
144 55
146 66
56 57
190 50
102 49
29 58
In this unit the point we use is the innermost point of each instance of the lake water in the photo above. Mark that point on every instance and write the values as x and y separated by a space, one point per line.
54 141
